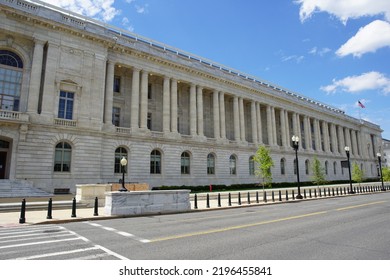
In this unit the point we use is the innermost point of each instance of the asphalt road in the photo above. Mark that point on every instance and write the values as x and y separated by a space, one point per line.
352 227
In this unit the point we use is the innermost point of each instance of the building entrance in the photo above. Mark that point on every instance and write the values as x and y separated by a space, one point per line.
4 149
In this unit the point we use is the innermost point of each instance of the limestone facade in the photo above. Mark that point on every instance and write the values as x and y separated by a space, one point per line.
90 93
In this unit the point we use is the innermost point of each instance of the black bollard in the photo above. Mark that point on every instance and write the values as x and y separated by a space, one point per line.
249 198
22 218
230 200
310 193
49 209
265 196
257 197
219 200
273 196
315 193
329 192
304 193
95 212
74 208
195 202
280 195
293 195
239 198
208 201
286 195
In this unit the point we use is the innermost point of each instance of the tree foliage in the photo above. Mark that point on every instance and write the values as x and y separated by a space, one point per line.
386 174
357 173
263 166
318 176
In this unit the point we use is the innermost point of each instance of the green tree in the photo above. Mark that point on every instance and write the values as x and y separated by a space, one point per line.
357 173
318 176
263 167
386 174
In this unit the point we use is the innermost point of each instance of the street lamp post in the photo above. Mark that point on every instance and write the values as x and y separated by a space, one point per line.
295 140
380 169
349 170
123 165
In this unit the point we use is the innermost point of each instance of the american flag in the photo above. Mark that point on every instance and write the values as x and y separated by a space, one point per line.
361 104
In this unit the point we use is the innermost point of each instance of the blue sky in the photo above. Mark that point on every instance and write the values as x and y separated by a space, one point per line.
334 51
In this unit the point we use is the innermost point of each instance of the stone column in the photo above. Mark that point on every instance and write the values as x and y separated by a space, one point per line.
269 126
283 126
274 132
35 78
192 109
222 115
236 119
242 118
199 104
333 137
348 143
317 134
174 105
341 140
295 124
216 114
135 100
144 100
287 126
259 125
354 143
325 131
109 96
49 90
254 122
166 105
306 122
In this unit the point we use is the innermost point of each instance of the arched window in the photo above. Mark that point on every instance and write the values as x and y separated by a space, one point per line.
251 166
11 71
210 164
233 165
119 154
283 166
307 167
63 156
155 162
185 163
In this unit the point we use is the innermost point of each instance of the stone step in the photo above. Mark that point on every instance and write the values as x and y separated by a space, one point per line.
20 188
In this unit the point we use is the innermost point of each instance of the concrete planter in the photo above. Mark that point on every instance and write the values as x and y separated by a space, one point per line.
147 202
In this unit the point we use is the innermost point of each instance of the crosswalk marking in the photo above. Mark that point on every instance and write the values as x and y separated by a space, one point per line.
13 242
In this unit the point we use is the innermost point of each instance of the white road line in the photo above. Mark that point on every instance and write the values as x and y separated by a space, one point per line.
57 253
112 253
12 236
123 233
36 237
92 257
38 243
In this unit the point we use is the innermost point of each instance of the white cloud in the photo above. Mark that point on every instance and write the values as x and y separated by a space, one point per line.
320 52
142 9
295 58
355 84
127 25
369 38
344 9
100 9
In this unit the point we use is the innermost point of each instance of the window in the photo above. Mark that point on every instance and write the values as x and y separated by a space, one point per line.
116 116
149 121
117 84
335 168
283 166
233 165
119 154
210 164
149 91
11 70
65 106
295 167
62 158
307 166
185 163
155 162
326 167
251 166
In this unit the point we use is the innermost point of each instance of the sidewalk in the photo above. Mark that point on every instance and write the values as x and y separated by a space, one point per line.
61 215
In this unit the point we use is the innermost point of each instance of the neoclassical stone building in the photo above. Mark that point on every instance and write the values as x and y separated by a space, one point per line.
77 95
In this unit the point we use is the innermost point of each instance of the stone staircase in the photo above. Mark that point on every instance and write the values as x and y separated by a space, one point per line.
20 188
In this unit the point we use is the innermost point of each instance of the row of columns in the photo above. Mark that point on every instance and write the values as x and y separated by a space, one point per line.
326 139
